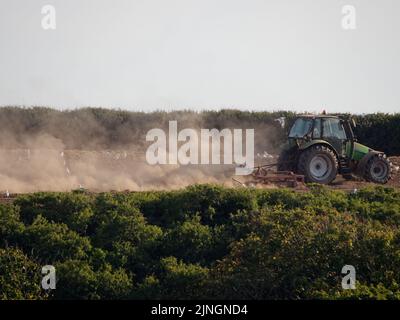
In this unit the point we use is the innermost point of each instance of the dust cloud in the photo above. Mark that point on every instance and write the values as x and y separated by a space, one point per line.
48 150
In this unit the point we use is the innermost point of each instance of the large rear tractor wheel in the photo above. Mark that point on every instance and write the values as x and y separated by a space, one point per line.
378 169
318 164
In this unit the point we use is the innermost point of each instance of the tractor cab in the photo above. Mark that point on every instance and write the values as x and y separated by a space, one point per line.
335 131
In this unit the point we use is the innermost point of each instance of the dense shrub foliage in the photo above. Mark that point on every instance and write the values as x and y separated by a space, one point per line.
204 241
97 128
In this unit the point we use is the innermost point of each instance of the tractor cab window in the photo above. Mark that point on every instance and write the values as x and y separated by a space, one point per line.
333 128
300 128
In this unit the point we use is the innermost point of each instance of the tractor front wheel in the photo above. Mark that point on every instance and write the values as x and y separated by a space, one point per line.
378 169
318 164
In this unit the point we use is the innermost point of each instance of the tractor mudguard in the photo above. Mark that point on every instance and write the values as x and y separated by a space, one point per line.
308 144
363 162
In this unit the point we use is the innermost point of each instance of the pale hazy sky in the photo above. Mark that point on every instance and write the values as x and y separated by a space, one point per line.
174 54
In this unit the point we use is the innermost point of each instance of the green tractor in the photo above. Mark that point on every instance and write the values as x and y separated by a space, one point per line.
322 146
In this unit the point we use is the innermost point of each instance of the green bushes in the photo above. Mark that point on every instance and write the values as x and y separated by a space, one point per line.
19 276
297 255
73 209
204 241
52 241
80 280
191 241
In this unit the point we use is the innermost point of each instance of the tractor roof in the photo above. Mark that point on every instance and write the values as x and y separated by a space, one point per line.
313 116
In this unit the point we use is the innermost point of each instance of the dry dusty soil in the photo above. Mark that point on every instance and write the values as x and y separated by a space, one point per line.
23 171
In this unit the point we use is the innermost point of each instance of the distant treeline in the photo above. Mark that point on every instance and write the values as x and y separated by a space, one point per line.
97 128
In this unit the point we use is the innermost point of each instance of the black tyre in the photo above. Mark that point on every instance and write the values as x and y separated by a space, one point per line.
378 169
318 164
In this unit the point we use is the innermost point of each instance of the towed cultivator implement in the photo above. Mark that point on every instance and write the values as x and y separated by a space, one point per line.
264 175
286 178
